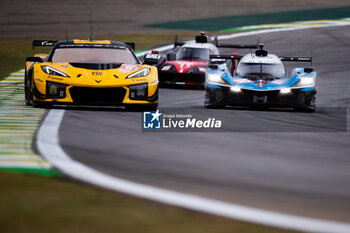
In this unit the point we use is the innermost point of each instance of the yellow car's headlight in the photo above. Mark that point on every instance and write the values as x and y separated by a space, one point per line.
52 71
140 73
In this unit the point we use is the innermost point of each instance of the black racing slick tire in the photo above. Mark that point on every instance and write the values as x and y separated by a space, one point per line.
213 99
309 108
28 94
38 104
306 109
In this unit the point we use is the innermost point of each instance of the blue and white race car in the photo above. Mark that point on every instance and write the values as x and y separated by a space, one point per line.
260 80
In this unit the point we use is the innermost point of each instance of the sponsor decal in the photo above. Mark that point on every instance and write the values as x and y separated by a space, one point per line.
218 60
202 69
55 78
277 81
153 56
139 80
242 81
97 73
128 68
264 61
165 68
47 43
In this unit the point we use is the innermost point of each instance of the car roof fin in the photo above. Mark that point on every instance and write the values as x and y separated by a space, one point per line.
66 34
177 43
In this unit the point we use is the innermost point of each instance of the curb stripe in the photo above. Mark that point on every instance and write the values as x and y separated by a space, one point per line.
18 124
25 165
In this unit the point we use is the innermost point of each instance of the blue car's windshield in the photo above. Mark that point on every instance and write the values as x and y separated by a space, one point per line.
255 71
193 54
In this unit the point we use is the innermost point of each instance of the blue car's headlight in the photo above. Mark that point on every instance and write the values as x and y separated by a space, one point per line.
140 73
285 90
236 89
216 78
305 82
52 71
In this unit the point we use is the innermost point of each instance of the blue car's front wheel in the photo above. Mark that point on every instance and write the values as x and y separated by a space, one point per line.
213 98
309 108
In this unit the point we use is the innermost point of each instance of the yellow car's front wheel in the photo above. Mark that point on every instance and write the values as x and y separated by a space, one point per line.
39 104
27 89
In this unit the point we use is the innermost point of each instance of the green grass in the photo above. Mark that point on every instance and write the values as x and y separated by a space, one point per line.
13 54
34 204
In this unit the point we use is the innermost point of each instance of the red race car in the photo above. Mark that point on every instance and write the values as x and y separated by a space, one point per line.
186 63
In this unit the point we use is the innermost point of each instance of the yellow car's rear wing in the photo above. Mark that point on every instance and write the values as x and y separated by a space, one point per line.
44 43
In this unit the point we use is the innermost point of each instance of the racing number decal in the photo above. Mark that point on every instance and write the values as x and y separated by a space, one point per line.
183 65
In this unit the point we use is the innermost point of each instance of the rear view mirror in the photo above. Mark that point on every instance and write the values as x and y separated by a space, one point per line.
131 45
171 56
34 59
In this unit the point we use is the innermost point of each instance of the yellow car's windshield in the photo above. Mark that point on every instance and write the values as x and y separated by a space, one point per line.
93 55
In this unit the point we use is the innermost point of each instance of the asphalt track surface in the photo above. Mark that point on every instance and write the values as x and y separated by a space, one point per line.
306 172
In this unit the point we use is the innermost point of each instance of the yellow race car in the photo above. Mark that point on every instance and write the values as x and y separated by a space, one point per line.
83 72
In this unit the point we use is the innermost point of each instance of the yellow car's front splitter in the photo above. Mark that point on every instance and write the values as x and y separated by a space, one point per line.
58 93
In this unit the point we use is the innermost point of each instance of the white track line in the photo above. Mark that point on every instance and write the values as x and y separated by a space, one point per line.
49 146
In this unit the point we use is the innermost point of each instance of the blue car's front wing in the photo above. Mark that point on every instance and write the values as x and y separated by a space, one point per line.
223 95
